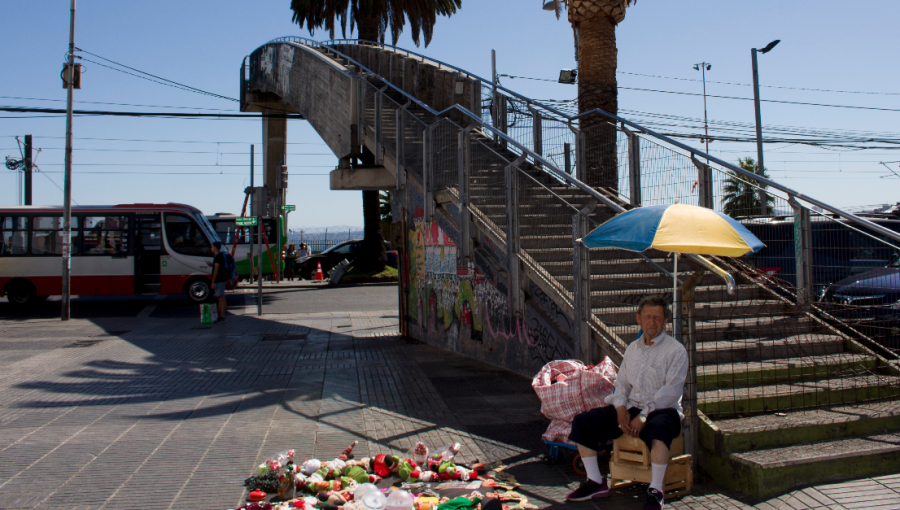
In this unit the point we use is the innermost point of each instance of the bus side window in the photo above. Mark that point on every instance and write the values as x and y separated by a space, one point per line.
105 235
47 235
13 235
185 236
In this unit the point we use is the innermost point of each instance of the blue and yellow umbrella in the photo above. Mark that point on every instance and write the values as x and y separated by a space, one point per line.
676 228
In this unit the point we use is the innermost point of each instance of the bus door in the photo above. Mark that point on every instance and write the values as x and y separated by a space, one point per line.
148 253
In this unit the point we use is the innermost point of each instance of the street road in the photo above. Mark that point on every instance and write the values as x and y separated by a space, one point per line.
293 297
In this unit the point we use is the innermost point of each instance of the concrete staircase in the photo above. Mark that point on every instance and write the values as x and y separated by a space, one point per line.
787 399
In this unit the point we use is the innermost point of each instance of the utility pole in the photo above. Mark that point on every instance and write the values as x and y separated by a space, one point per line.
67 185
29 165
704 66
252 229
763 203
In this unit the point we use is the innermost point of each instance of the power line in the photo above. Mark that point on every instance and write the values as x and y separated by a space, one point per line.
114 104
805 89
172 83
152 114
157 141
173 152
175 165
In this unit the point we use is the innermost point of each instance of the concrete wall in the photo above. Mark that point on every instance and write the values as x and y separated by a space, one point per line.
466 309
319 89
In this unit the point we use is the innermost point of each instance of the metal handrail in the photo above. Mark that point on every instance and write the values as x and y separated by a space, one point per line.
302 41
746 173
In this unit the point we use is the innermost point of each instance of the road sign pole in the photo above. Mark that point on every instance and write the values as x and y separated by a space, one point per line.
259 266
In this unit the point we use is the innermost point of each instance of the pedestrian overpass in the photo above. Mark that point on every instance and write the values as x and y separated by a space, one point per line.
490 197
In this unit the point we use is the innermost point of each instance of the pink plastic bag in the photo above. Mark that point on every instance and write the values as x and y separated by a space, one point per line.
567 387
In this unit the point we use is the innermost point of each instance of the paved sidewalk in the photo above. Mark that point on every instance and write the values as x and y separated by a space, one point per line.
165 413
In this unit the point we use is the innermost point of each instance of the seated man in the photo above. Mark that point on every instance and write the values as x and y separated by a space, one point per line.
646 404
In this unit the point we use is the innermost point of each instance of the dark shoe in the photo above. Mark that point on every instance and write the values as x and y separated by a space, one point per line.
220 319
654 500
589 489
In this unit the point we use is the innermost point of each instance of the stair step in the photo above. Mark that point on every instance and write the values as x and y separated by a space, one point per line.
765 473
805 426
752 328
703 311
773 397
708 293
758 349
773 371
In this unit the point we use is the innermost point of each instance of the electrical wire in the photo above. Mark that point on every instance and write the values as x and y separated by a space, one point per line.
115 104
152 114
170 82
158 141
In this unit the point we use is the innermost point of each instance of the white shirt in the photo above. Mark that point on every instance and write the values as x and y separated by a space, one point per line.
651 376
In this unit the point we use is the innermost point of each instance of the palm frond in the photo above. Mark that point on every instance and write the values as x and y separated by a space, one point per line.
388 15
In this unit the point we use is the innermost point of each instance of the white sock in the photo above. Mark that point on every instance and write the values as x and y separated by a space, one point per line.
592 468
659 476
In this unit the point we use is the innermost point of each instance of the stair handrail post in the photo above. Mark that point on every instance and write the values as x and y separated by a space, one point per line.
464 163
581 280
537 132
634 166
704 183
398 159
686 309
579 156
379 150
361 111
513 242
502 118
802 252
426 177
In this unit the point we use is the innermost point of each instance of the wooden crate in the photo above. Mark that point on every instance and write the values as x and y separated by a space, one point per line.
630 464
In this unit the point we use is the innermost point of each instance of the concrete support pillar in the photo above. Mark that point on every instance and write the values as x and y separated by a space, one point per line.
274 137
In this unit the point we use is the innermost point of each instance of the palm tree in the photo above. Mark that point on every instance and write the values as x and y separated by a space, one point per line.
594 22
372 18
741 198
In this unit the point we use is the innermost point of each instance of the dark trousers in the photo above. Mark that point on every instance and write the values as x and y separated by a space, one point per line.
597 427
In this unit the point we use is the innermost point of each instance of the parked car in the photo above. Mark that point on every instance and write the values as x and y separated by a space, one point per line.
869 301
349 250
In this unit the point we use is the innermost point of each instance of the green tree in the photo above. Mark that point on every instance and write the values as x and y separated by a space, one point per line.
741 197
372 19
594 23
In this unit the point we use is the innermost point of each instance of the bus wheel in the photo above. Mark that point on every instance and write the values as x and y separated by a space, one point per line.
21 293
198 290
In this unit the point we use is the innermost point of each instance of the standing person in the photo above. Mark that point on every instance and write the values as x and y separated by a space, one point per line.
304 251
219 277
289 262
646 404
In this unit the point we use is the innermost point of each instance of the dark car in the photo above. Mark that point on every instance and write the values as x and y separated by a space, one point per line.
869 301
349 250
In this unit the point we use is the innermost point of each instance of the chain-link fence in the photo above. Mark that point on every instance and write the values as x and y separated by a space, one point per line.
794 333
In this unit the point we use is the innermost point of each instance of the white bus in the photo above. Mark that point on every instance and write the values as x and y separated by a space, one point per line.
131 249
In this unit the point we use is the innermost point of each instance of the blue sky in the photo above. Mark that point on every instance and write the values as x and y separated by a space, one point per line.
206 162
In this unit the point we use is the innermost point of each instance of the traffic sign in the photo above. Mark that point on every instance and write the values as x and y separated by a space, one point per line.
249 221
288 207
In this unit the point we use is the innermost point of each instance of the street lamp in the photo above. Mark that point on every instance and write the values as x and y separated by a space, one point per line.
704 66
759 144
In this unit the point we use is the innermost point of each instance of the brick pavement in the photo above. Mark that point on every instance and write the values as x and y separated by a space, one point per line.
165 413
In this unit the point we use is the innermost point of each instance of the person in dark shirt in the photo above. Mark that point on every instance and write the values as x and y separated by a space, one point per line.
219 277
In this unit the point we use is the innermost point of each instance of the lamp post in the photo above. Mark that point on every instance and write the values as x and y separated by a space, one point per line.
704 66
763 203
67 184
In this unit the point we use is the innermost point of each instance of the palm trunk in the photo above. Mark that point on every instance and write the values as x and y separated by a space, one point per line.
597 89
373 256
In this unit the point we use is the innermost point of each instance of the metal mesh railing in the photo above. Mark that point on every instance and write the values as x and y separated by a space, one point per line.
443 168
768 347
